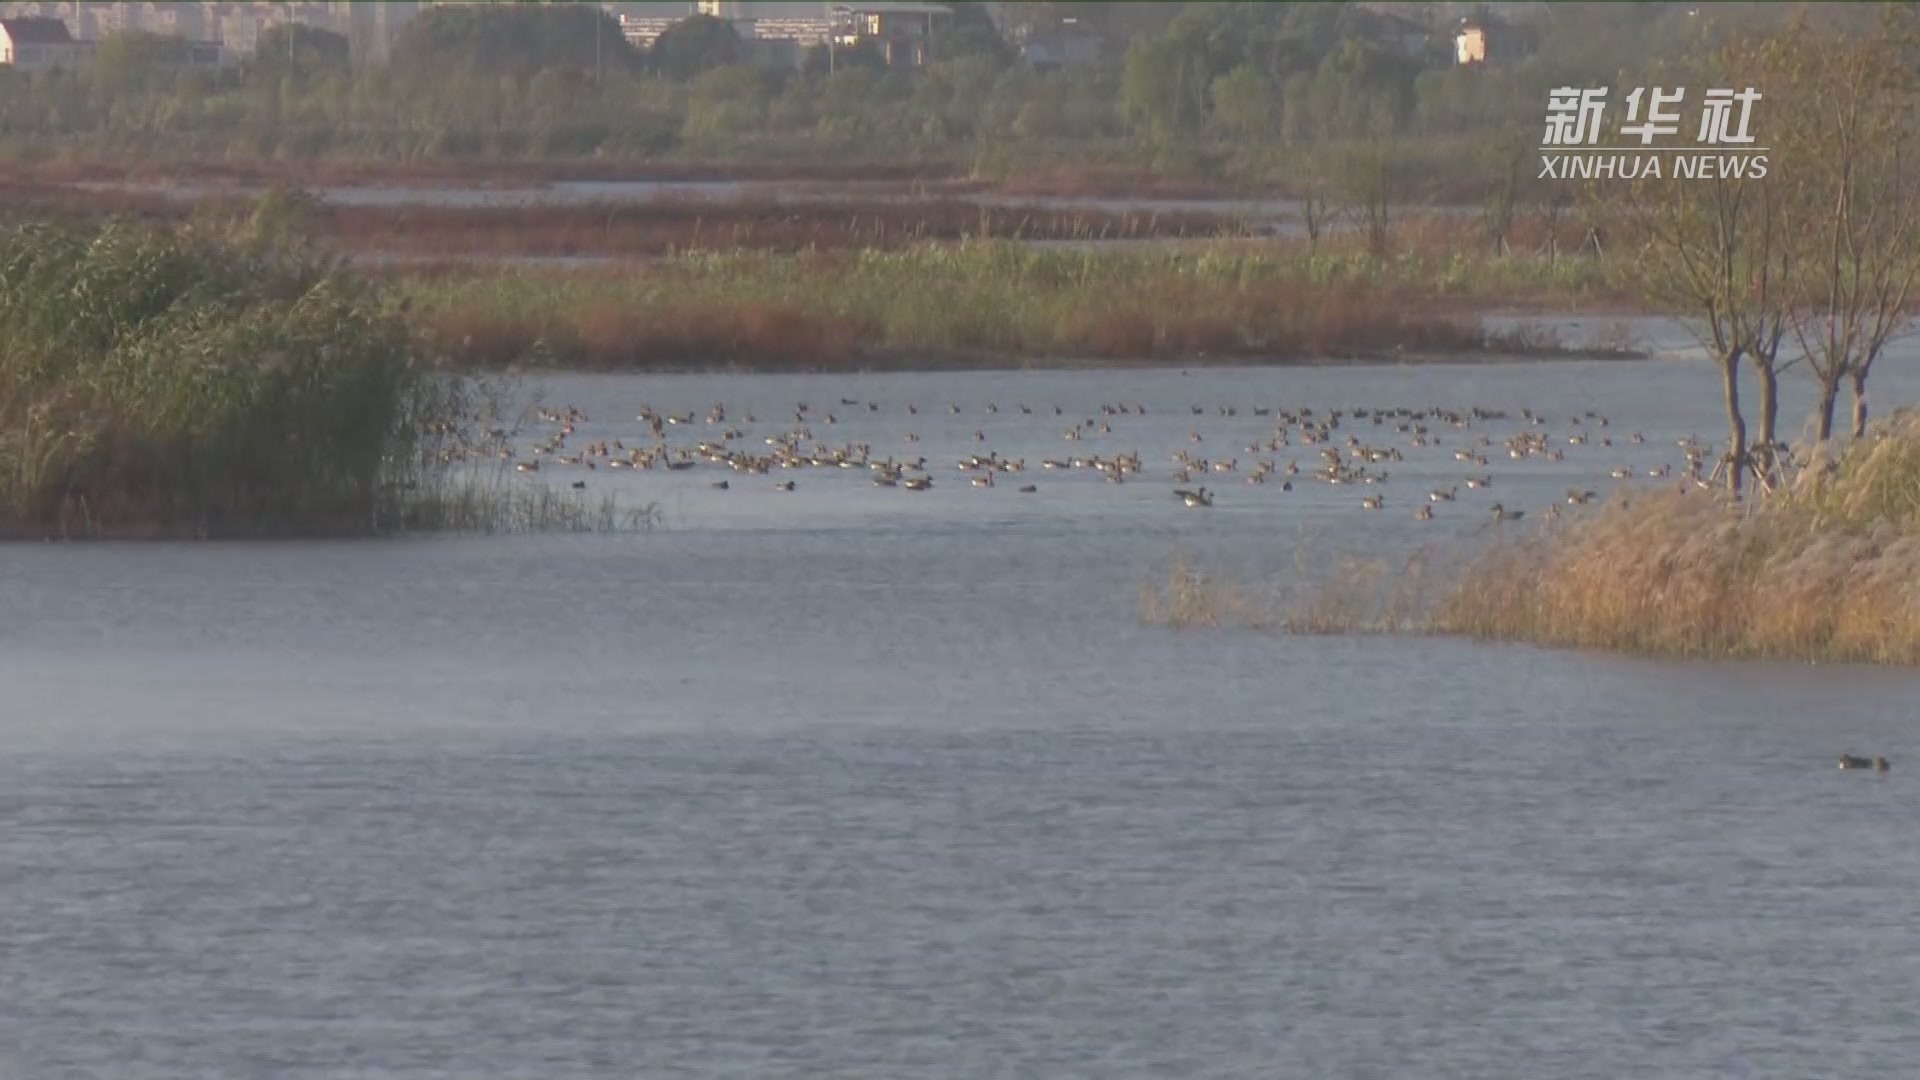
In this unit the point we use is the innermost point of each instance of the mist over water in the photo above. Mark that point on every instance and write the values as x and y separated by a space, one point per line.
855 781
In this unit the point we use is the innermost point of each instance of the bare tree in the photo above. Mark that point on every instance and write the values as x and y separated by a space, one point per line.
1849 150
1501 204
1312 196
1368 184
1761 322
1555 202
1722 252
1704 252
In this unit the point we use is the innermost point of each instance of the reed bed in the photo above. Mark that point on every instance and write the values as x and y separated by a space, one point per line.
672 225
498 504
1326 591
1189 596
1536 262
176 383
662 226
952 304
1826 569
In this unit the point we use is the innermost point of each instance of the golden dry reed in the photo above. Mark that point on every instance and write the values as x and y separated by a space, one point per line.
1825 569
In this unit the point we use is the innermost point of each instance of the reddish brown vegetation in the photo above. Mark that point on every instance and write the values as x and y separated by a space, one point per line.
447 172
607 325
665 226
656 227
1117 183
604 335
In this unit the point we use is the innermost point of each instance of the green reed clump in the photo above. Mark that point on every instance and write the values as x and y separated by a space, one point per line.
164 382
499 504
938 302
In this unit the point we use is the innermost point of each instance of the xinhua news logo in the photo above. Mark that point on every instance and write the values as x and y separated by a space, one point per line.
1722 147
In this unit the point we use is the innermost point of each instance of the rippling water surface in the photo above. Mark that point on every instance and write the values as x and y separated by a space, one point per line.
854 781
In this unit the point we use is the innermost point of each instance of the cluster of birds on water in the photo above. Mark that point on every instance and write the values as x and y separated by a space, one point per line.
1351 446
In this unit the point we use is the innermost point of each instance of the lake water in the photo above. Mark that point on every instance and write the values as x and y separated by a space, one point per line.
853 781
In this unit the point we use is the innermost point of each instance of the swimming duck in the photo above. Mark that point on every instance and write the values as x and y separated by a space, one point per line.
1878 764
1501 513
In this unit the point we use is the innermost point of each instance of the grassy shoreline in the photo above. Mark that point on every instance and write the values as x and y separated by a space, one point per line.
884 361
1822 570
756 284
179 383
667 225
976 305
1424 169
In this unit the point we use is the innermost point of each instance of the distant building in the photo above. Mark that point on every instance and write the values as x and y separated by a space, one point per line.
1053 50
801 31
1063 44
905 32
1488 41
883 21
776 33
36 44
641 31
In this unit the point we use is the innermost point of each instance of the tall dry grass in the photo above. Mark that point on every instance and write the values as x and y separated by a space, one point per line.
1189 596
1326 591
953 303
1827 569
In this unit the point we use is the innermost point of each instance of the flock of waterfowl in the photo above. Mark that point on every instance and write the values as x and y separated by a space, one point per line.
1355 446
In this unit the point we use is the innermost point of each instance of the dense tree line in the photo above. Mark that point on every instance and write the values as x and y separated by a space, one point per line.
533 80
